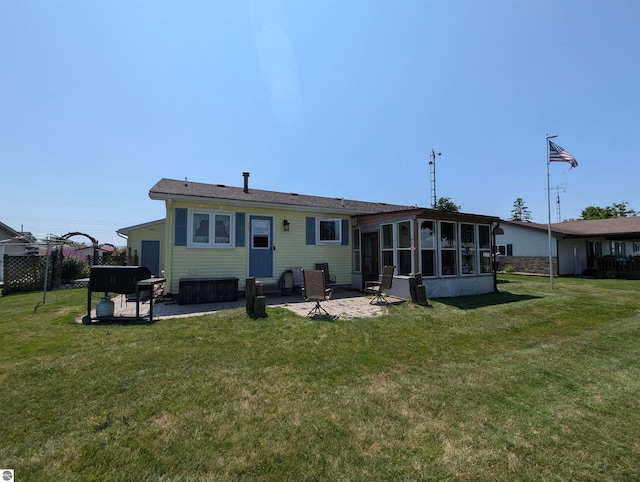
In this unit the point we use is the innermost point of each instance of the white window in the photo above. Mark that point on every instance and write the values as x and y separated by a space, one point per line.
260 234
328 231
387 245
484 240
405 248
468 248
428 238
356 251
618 249
448 249
210 229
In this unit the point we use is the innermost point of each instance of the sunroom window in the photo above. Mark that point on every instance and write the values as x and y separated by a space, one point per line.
484 240
428 237
448 248
404 248
356 251
387 245
468 248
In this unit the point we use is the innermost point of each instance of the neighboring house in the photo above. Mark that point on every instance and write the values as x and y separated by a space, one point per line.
577 247
13 243
213 230
89 250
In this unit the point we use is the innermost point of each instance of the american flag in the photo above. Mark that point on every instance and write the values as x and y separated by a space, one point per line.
558 154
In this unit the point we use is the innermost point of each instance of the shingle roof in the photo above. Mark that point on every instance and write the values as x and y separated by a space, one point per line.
166 188
628 226
600 227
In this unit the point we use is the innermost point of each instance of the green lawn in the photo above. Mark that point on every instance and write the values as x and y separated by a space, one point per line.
525 384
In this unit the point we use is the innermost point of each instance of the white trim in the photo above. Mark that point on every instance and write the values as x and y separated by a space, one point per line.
212 244
338 224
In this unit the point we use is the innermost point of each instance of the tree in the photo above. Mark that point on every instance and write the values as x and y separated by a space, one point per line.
520 212
595 212
447 205
616 210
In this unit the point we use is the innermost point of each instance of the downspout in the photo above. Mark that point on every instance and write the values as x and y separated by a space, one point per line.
169 243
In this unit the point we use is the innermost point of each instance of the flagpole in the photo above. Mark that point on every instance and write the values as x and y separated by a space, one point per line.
547 137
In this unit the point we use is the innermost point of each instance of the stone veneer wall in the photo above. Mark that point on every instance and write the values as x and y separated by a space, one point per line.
528 264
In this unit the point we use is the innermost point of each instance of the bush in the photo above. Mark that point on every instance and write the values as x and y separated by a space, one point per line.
74 268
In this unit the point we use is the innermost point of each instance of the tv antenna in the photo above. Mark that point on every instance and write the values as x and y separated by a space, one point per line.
560 188
432 177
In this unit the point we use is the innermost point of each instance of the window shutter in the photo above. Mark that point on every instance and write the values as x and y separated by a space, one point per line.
311 230
345 232
240 229
181 227
509 249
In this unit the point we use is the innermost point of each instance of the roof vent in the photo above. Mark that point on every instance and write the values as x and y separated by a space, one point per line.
221 185
294 193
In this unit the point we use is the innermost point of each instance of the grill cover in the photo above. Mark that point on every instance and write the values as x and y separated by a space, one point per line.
117 279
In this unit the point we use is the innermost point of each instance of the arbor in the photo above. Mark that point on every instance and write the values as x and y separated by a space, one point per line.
446 204
616 210
520 211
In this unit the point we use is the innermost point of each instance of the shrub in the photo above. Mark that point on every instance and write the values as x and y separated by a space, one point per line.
74 268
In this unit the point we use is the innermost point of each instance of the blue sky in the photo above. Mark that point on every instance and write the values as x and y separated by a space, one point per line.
101 99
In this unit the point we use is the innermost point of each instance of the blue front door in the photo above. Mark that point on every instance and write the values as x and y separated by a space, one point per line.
261 246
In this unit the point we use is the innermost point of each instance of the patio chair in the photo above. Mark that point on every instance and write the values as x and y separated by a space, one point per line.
315 290
377 288
329 280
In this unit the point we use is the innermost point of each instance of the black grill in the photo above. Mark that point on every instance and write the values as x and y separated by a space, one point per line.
117 279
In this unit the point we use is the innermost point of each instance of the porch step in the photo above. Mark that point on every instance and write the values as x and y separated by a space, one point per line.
271 290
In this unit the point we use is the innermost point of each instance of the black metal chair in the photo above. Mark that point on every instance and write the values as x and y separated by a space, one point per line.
377 288
315 290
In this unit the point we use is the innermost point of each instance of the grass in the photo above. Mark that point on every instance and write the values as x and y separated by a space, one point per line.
525 384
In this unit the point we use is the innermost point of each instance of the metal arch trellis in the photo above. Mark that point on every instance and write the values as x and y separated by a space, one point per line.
94 242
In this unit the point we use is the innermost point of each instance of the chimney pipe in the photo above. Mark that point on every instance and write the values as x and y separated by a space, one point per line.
246 181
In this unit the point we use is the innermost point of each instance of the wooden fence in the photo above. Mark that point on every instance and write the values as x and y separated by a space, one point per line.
613 267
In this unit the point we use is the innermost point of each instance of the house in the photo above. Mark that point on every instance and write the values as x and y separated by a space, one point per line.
577 247
219 231
13 243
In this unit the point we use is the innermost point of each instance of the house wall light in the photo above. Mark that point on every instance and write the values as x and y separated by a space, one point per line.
285 225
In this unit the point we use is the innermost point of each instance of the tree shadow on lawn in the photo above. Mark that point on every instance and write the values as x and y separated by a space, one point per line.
480 301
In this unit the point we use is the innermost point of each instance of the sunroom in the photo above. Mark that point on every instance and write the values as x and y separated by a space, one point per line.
451 251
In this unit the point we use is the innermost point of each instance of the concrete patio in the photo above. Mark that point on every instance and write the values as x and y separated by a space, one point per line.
346 304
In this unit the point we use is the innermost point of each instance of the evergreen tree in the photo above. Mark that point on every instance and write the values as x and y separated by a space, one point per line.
520 212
